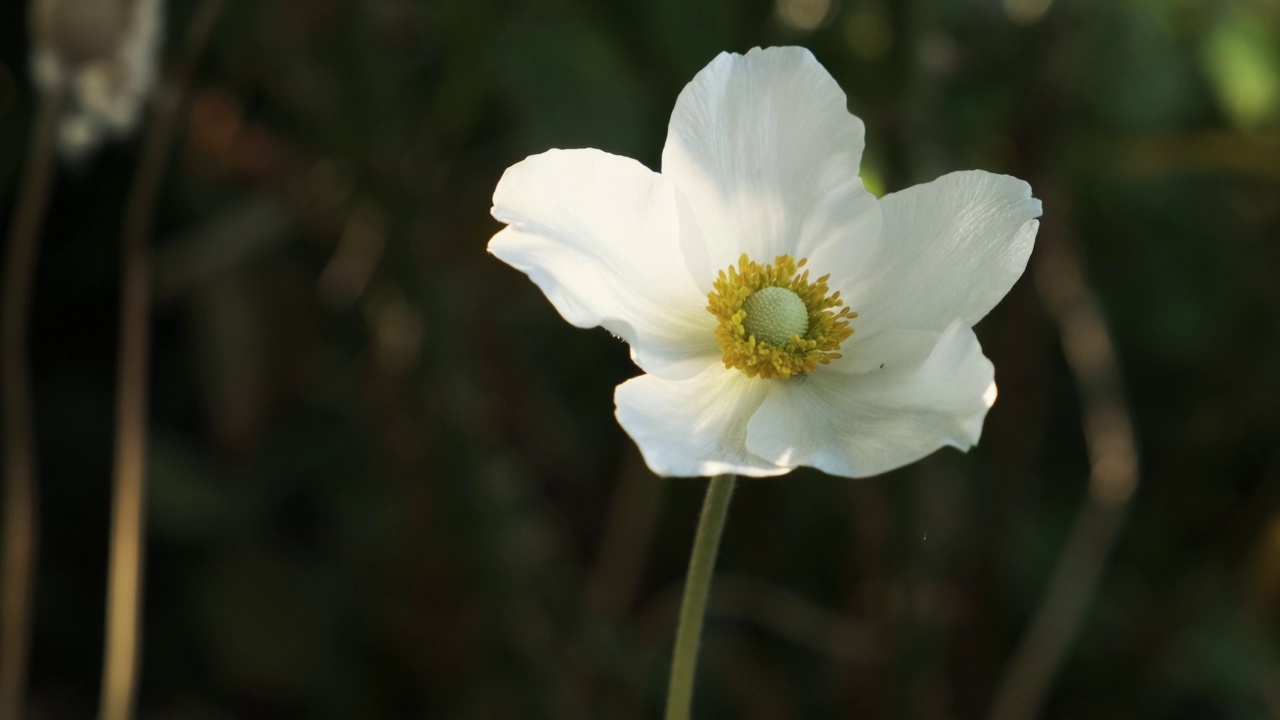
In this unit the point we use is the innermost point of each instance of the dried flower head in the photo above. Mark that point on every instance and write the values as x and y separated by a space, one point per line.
100 54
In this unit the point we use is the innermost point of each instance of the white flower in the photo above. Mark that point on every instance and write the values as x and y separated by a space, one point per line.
759 176
102 55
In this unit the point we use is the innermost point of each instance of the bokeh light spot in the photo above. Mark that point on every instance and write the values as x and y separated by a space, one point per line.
1026 12
805 15
868 34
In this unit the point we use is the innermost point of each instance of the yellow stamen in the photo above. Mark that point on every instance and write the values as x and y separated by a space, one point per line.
775 357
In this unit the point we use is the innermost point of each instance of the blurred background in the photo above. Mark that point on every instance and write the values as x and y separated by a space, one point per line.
384 477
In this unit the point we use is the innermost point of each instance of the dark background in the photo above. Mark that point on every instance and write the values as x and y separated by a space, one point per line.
385 480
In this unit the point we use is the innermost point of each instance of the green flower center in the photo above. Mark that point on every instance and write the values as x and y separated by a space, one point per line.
775 315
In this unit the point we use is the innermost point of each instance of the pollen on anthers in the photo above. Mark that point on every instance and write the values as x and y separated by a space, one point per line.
774 322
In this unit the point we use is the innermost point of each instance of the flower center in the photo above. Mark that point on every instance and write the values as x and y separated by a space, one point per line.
775 314
774 321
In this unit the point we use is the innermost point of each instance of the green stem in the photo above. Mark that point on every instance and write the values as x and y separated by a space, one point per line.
693 608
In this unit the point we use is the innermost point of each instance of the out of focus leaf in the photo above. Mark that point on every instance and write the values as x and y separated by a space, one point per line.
1242 59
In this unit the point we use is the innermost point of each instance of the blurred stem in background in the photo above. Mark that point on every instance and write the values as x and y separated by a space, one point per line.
1113 459
626 542
693 609
20 511
120 669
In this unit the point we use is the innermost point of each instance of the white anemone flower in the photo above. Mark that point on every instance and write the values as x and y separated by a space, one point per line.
782 314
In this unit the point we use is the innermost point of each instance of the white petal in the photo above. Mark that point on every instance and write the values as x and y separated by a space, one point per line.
951 249
862 424
890 349
767 154
693 427
601 235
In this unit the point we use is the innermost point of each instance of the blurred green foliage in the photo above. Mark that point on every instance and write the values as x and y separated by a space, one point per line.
385 480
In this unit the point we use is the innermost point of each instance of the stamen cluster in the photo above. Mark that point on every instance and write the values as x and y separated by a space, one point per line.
757 357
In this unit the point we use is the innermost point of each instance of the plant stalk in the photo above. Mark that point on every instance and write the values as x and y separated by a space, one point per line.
125 569
697 588
21 521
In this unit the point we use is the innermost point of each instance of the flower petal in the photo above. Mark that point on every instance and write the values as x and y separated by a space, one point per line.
951 249
600 235
697 426
765 151
888 349
863 424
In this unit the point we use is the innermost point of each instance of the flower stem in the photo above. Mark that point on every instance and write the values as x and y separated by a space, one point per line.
1113 453
126 559
17 569
693 608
